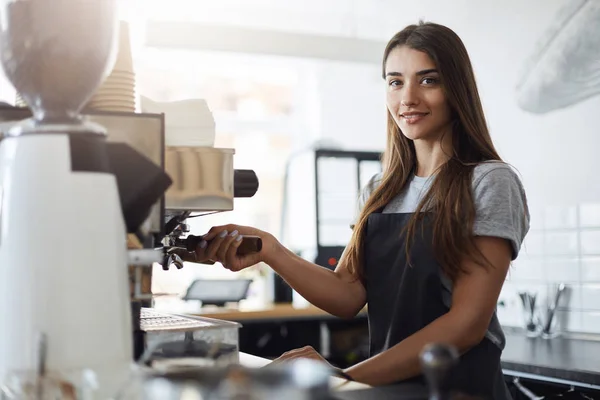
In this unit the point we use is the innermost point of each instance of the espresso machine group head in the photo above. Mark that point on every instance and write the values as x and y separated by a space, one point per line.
212 186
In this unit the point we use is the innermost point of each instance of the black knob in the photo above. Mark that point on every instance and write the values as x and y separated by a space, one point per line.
438 361
245 183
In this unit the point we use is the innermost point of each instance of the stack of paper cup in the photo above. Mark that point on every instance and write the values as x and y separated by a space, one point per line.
117 93
187 122
19 102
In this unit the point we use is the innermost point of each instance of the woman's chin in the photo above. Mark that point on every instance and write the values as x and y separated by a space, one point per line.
417 134
413 134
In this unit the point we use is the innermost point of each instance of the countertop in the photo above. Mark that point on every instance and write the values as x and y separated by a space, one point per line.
569 361
336 384
561 359
342 389
564 360
249 313
270 312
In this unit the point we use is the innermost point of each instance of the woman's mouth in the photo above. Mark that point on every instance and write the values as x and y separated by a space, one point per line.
413 117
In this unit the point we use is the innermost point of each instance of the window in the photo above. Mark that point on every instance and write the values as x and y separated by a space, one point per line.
256 106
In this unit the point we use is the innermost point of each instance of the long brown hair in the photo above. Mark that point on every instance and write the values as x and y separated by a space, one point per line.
449 200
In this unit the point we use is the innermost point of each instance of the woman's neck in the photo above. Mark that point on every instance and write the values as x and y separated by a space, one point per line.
431 156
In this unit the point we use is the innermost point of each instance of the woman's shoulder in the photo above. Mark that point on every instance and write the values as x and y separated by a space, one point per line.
495 172
369 188
374 182
497 186
500 203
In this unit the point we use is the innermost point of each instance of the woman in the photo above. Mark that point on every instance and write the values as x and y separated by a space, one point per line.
436 232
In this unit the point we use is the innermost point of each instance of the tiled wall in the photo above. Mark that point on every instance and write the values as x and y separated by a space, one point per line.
563 245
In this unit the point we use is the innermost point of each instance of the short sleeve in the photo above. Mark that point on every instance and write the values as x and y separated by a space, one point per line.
500 205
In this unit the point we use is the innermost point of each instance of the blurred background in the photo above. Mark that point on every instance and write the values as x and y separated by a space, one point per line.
284 79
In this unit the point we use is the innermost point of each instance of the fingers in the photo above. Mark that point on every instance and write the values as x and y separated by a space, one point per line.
221 244
229 245
201 251
215 231
215 244
230 259
304 352
223 247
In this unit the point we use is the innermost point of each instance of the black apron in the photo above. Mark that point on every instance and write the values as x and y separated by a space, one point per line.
404 299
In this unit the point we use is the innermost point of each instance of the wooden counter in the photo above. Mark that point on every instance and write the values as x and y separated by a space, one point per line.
250 313
271 312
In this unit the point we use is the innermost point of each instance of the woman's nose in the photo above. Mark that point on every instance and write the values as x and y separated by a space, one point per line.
409 97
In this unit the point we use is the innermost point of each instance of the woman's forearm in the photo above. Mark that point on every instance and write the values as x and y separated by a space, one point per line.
324 288
402 361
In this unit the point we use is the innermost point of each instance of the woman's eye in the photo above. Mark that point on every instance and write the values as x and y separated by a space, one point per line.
429 81
395 82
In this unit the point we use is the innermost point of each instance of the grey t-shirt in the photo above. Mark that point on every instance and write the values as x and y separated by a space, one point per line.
500 211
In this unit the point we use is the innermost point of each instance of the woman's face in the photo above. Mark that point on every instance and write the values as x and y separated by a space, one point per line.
415 97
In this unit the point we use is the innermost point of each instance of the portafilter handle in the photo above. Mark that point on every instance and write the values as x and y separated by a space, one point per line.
185 249
438 362
250 244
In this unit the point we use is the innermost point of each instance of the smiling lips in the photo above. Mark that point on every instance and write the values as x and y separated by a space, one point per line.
413 117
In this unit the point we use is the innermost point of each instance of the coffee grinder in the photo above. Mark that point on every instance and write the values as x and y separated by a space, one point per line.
64 300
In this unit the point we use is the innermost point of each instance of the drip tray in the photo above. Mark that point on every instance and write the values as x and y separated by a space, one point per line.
153 321
175 336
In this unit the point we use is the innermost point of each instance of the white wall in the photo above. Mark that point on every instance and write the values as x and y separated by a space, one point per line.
352 107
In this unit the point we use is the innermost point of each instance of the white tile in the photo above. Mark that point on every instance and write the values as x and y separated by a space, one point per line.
556 217
561 270
590 242
589 215
561 243
590 322
509 296
590 269
533 244
536 216
510 312
569 321
590 297
510 317
526 268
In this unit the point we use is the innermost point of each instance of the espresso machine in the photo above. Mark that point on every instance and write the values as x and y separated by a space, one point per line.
72 187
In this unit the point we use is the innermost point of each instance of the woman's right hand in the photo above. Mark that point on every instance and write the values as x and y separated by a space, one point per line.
221 244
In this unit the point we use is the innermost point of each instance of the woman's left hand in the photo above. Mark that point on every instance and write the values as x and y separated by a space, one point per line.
304 352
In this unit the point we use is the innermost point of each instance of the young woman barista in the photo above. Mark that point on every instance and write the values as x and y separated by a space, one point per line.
436 232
